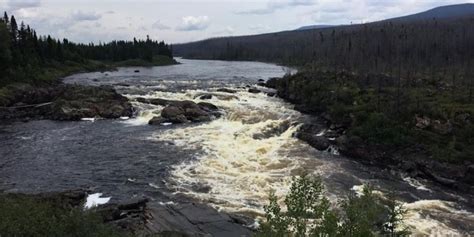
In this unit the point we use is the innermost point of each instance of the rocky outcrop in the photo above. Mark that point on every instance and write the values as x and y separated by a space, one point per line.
218 95
312 135
414 159
186 111
226 90
193 219
64 102
254 90
143 217
206 97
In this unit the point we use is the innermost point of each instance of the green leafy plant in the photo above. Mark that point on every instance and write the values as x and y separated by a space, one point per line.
27 216
309 213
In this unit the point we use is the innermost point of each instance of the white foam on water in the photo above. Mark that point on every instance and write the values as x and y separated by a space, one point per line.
145 113
239 170
88 119
153 185
426 217
95 199
416 184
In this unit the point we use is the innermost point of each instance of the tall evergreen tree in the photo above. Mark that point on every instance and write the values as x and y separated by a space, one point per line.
5 18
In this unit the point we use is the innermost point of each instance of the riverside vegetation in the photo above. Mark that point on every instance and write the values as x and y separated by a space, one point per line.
31 67
309 213
412 94
398 92
38 62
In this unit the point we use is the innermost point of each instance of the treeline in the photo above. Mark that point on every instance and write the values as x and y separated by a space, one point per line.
23 53
415 47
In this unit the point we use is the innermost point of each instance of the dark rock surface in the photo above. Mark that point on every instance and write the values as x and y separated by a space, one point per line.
192 219
309 134
220 96
145 217
272 131
206 97
226 90
184 112
254 90
64 102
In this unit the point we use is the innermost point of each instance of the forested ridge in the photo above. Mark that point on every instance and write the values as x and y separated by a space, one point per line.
27 57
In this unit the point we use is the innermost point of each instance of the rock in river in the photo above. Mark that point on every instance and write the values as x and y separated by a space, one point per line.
254 90
309 134
226 90
186 111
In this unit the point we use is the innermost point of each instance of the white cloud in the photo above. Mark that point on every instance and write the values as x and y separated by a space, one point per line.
193 23
225 32
160 26
14 5
274 5
77 20
85 16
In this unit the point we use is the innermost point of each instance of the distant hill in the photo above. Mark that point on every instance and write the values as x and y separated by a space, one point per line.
443 12
348 44
313 27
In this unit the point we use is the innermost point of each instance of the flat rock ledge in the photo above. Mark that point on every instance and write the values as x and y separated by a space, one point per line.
143 217
193 219
63 102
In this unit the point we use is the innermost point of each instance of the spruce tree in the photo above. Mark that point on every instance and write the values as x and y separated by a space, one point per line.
5 18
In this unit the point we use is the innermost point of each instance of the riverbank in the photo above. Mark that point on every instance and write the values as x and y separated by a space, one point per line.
430 139
69 212
62 102
44 96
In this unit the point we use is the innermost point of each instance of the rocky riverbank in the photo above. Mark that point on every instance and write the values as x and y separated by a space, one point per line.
341 127
139 217
62 102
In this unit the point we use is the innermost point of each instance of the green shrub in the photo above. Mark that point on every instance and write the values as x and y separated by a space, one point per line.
309 213
26 216
377 128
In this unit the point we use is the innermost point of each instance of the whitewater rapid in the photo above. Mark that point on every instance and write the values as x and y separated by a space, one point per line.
230 163
251 150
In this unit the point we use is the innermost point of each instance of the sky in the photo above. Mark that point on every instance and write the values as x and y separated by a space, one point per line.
178 21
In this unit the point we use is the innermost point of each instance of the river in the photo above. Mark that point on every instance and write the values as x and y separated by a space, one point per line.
230 163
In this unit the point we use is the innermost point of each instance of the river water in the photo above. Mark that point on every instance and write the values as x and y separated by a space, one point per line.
231 163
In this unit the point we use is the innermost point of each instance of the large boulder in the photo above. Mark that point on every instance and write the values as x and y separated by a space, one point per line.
208 106
226 90
254 90
311 134
206 97
319 142
186 111
174 114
